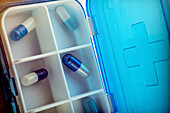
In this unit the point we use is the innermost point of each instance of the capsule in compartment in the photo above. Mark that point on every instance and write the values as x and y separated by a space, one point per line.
90 106
23 29
34 77
75 65
66 18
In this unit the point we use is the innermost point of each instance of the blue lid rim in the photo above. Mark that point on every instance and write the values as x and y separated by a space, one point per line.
103 73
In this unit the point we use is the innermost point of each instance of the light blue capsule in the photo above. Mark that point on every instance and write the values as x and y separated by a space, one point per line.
66 18
90 106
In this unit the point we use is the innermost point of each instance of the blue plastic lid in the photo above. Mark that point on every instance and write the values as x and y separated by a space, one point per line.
18 33
133 50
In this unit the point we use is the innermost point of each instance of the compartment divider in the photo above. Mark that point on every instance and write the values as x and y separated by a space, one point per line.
56 82
65 81
45 107
51 29
74 48
86 94
36 57
72 107
40 32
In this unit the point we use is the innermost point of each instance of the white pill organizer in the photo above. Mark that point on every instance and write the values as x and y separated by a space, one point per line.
124 44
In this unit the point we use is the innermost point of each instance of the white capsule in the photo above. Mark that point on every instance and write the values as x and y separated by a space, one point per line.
30 23
29 79
83 71
34 77
63 14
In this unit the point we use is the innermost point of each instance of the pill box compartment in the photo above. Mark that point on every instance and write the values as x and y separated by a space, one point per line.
66 38
39 40
98 99
50 90
76 83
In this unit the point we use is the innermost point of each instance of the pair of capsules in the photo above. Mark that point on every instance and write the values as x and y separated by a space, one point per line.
27 26
69 60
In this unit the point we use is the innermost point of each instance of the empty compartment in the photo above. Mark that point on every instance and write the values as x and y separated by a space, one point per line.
66 38
39 40
52 89
65 108
99 99
77 84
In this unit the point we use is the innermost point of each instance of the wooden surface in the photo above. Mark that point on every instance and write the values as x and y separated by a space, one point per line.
4 1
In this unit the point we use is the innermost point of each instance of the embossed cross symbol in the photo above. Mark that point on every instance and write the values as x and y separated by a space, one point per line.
145 54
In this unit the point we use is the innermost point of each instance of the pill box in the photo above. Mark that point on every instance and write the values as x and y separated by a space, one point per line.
124 44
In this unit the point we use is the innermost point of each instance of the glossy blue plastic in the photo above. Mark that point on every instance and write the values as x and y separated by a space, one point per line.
41 73
75 65
133 50
71 62
18 33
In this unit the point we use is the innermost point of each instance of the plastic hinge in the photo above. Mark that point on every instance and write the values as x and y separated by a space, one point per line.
10 91
91 22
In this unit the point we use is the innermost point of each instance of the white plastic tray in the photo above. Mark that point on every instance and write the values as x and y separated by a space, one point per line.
63 90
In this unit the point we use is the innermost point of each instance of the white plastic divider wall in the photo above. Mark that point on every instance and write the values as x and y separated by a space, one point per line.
63 90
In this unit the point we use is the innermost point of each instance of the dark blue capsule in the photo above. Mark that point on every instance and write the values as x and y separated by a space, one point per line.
41 73
75 65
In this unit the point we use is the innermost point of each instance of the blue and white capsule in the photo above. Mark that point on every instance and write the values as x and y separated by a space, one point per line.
66 18
23 29
75 65
34 77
